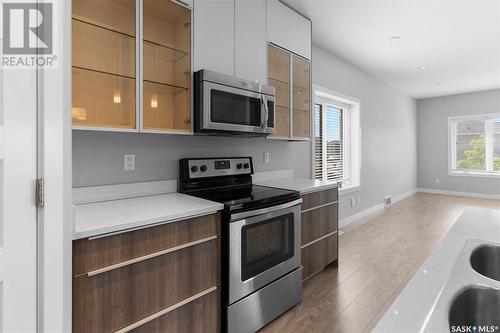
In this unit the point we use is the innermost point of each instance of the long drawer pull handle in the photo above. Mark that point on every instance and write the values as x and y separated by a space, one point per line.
165 311
149 256
318 239
320 206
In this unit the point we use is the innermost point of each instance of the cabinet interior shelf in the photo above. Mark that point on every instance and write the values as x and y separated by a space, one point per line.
96 24
174 53
102 72
174 89
278 84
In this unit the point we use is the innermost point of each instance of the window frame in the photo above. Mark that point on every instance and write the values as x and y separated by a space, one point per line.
351 132
452 147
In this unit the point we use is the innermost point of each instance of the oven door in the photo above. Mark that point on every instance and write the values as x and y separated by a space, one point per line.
231 109
263 248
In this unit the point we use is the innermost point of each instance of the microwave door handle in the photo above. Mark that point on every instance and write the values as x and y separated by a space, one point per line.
263 112
266 108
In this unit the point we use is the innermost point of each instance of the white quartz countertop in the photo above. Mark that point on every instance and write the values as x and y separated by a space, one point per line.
303 185
415 305
105 217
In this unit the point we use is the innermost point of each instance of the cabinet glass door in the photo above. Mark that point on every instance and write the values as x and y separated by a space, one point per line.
301 116
279 78
167 67
104 63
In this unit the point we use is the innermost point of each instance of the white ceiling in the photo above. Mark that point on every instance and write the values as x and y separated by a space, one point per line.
457 41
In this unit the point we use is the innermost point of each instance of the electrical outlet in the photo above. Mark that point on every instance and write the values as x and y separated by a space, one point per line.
358 199
353 203
266 158
388 200
437 180
129 162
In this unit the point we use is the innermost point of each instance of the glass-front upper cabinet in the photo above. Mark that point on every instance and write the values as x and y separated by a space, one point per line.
107 93
279 78
301 124
104 64
166 67
290 75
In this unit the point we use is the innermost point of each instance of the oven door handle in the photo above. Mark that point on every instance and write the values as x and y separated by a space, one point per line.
240 216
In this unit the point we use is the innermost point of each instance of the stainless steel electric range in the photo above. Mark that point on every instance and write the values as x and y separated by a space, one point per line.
261 272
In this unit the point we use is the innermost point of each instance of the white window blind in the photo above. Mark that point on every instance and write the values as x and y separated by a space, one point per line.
475 144
329 142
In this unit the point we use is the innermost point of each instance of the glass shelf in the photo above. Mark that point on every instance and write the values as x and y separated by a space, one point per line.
102 100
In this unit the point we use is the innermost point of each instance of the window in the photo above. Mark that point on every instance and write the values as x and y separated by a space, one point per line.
475 145
336 139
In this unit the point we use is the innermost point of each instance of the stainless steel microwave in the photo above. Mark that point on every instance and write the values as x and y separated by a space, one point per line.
224 105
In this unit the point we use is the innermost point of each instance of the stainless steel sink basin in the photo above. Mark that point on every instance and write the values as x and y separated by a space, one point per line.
475 306
485 260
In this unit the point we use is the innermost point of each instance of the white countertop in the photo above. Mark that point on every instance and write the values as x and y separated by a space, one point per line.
411 311
303 185
118 215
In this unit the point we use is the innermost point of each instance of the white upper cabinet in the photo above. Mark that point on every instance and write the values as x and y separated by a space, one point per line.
288 29
213 42
250 40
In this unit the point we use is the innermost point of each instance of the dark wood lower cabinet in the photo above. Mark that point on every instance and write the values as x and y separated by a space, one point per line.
319 222
317 256
319 234
175 289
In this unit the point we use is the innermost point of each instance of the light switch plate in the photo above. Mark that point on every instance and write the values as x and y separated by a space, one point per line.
129 162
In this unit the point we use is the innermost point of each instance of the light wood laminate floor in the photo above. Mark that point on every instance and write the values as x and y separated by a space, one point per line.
378 256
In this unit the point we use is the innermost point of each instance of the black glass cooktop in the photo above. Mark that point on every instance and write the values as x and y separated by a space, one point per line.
247 197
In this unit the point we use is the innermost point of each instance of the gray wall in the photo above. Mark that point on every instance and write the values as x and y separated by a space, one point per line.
388 126
98 156
388 120
433 116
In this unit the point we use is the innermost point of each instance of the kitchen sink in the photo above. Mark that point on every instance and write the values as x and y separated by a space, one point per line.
485 260
469 301
475 306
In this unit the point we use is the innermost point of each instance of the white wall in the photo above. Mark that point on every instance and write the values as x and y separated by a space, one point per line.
388 121
388 126
433 116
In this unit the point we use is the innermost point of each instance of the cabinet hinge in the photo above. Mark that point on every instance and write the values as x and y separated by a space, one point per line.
40 192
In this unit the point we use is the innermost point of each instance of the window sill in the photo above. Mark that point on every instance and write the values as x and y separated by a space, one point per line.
349 189
474 174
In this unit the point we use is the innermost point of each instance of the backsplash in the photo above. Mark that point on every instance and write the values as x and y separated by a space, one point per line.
98 156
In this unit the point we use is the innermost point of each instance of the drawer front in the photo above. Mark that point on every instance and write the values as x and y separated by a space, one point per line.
319 222
92 254
318 255
316 199
201 315
114 299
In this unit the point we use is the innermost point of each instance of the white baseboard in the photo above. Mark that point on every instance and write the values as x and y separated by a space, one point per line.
372 210
461 194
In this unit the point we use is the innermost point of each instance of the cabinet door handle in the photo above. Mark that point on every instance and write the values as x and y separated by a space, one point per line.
149 256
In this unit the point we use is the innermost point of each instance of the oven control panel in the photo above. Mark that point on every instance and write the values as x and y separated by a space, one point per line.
203 168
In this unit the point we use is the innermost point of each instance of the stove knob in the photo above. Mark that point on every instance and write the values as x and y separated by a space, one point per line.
203 168
246 165
194 168
239 165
